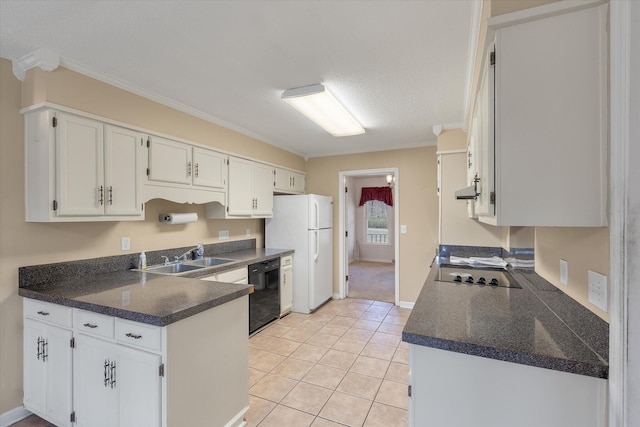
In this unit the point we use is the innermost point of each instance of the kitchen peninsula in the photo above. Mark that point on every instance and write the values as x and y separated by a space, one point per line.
527 356
138 348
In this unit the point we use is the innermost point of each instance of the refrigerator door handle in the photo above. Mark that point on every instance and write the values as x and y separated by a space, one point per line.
315 256
316 207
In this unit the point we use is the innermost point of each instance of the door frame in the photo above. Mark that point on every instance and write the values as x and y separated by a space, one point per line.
342 268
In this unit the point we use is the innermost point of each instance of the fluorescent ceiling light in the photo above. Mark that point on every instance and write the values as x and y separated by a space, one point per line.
317 103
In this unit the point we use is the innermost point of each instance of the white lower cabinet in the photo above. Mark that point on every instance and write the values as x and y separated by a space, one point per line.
456 389
115 385
286 284
87 369
47 371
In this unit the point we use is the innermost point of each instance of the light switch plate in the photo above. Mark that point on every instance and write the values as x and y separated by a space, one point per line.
564 272
598 290
223 234
403 229
248 233
125 244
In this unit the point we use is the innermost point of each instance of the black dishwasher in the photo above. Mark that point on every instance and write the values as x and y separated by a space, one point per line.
264 302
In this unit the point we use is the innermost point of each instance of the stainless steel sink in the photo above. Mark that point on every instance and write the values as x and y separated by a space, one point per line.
173 268
210 262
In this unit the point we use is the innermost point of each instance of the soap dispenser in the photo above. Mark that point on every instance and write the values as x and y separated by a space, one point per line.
143 261
199 252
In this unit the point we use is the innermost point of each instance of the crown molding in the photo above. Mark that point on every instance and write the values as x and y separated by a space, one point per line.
43 58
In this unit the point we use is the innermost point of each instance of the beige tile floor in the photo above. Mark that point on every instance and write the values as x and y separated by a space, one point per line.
345 364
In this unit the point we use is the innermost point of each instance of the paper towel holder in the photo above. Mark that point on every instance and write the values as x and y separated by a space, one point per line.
182 218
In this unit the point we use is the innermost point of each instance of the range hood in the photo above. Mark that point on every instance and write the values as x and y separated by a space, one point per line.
470 192
467 193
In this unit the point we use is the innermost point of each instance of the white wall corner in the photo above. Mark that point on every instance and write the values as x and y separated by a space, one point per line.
13 416
474 35
43 58
407 304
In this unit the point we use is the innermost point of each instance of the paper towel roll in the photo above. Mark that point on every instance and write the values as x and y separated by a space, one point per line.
179 218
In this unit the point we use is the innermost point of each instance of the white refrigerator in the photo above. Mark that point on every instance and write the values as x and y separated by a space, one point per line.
304 223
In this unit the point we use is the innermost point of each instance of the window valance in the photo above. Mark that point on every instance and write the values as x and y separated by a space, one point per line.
382 194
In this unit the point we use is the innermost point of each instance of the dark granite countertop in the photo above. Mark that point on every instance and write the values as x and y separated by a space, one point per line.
537 325
145 297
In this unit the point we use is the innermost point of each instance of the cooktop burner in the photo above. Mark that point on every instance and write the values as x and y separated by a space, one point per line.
475 276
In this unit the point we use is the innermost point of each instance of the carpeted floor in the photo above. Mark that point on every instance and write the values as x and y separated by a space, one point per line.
372 281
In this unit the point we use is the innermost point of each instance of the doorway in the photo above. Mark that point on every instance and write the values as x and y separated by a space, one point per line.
369 246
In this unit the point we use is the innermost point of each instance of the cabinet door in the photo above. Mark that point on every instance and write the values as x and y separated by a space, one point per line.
122 150
282 180
139 388
484 154
34 367
79 166
298 180
48 371
210 168
240 194
95 394
286 289
169 161
263 189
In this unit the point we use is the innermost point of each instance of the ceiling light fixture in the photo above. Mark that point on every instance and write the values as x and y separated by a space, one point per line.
317 103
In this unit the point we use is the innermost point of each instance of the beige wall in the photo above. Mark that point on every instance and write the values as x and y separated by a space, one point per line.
418 204
24 243
583 248
452 139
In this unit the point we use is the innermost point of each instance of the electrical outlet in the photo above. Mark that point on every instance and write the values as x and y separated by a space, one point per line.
564 272
403 229
248 233
125 243
598 290
223 235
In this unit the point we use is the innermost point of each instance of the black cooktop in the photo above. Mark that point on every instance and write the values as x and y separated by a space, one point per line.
485 276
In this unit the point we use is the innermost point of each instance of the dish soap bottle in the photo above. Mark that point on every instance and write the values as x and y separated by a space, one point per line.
143 261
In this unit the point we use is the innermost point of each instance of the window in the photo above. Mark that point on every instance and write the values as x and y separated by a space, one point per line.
377 222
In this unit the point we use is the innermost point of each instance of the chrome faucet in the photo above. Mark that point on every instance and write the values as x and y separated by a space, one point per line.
165 260
199 250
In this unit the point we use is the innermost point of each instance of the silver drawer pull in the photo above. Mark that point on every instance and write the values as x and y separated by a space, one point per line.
134 336
90 325
43 313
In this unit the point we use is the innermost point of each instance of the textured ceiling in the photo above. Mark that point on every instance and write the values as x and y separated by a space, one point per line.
399 67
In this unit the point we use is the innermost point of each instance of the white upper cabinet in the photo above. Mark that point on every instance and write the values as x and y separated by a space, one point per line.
209 168
541 153
122 173
250 191
169 161
183 173
288 181
79 169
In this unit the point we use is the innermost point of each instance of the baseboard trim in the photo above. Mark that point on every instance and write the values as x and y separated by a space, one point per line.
238 420
337 296
407 304
13 416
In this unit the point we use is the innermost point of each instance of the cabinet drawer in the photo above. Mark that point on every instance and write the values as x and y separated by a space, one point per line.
94 323
232 276
139 334
285 261
47 312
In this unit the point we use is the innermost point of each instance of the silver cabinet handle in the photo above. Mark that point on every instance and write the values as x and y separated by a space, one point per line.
90 325
40 351
101 191
111 195
113 375
106 372
188 168
43 313
134 336
196 169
